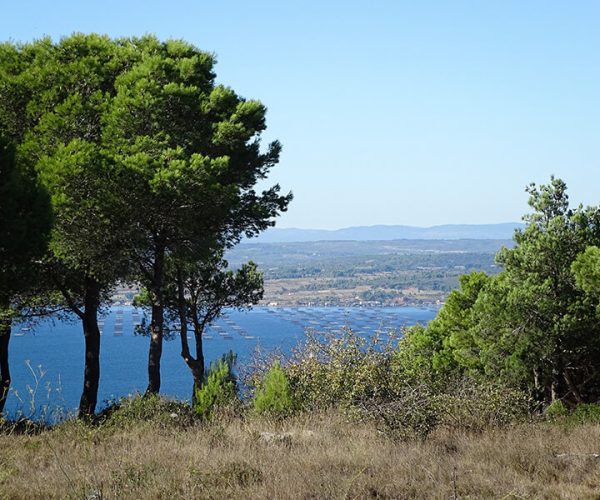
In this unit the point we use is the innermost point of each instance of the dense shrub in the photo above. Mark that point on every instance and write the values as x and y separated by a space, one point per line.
556 410
219 390
410 413
580 415
274 398
371 378
586 414
329 370
415 410
476 406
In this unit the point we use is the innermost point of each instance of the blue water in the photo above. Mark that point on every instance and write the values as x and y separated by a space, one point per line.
47 358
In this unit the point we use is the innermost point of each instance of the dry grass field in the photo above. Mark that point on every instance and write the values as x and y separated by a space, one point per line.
308 456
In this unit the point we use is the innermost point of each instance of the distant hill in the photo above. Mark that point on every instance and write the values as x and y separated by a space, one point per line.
381 232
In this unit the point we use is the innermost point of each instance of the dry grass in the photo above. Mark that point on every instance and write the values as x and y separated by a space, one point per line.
310 456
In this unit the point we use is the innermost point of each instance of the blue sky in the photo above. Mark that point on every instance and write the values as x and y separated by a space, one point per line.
390 112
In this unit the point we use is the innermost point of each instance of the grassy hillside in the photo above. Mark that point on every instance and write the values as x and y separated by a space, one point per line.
320 455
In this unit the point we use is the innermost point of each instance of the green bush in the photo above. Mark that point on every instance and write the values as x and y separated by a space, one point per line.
558 413
332 371
274 398
219 389
556 410
586 414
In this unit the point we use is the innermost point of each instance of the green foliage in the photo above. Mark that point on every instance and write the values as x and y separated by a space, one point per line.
558 341
142 299
219 389
149 410
54 97
586 269
274 398
586 414
583 414
330 370
132 139
446 345
556 322
416 350
534 325
209 287
25 220
555 410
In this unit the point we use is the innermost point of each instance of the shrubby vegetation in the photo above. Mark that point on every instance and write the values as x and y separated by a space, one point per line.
273 397
370 379
218 390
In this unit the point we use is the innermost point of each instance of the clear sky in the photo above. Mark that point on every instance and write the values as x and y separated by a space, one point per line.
390 112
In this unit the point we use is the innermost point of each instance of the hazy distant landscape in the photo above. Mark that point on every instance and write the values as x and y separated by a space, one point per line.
392 232
374 268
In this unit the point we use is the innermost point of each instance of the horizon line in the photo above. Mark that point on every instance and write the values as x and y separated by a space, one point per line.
396 225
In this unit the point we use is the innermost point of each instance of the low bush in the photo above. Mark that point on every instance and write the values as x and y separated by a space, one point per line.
273 397
586 414
219 390
148 410
556 410
414 411
411 413
368 379
475 406
582 414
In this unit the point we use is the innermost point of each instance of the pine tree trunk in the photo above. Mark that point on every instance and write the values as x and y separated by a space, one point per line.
199 353
5 325
156 325
91 331
198 371
196 365
155 352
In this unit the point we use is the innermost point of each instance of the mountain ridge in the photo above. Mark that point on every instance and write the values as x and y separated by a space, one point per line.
382 232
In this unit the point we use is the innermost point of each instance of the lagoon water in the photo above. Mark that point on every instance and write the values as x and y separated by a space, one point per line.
47 359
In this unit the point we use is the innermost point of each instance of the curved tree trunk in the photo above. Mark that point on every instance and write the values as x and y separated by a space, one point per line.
196 365
5 325
156 324
91 331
